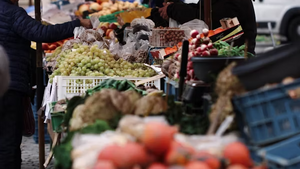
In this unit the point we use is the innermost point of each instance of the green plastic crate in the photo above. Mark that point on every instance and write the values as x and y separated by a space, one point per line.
110 18
56 120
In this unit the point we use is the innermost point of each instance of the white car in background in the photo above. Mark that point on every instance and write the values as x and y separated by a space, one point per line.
284 16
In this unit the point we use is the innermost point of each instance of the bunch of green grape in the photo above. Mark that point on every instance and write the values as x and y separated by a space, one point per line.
92 61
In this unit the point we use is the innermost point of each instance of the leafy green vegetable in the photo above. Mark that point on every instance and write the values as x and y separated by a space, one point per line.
120 85
62 152
98 127
225 51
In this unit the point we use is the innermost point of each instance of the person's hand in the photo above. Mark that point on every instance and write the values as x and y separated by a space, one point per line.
85 23
163 11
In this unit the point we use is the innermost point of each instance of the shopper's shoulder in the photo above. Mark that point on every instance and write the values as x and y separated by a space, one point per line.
10 8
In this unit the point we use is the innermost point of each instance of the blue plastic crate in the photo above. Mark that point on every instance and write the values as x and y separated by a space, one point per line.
173 90
283 155
270 115
254 150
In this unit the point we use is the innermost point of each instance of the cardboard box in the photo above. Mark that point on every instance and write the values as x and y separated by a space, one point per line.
228 34
227 23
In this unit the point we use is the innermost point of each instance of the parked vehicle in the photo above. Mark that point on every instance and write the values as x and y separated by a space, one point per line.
284 16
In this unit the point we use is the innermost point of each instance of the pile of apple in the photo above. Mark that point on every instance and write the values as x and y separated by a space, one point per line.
50 47
108 29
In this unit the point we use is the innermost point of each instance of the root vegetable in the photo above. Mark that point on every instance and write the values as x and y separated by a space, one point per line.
191 54
203 47
192 73
205 54
200 49
190 65
206 40
179 58
214 52
205 32
194 33
210 45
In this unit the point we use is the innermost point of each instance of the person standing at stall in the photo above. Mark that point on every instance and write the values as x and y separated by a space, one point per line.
242 9
17 30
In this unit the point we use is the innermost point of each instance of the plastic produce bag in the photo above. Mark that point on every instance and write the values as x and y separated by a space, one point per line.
141 55
195 24
95 21
127 53
142 24
77 31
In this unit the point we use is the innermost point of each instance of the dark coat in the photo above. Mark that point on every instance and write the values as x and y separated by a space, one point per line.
242 9
17 30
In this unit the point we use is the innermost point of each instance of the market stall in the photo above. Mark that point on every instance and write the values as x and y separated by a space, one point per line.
161 97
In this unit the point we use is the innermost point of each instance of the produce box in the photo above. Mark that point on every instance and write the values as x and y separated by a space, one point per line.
111 18
70 86
173 87
56 120
269 115
167 37
228 34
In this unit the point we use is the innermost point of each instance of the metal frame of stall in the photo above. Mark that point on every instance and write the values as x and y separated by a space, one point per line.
40 89
39 75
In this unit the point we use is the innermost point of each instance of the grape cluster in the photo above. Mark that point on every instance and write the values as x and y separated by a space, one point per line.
83 60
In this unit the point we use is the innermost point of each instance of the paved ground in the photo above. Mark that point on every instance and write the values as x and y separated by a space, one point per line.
30 154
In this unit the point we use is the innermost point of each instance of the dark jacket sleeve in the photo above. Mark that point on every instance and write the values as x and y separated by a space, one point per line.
183 13
33 30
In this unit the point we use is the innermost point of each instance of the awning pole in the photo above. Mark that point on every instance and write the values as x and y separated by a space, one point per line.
40 89
207 13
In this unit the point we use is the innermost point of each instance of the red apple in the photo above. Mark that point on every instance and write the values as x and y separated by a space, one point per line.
108 32
45 46
52 47
104 28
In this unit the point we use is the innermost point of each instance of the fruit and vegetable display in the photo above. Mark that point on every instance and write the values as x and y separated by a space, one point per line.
88 56
102 8
50 47
108 29
142 142
200 46
166 37
226 50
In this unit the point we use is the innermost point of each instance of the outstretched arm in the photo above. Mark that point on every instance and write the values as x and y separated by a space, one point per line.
33 30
